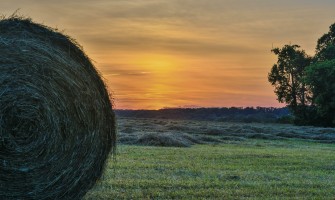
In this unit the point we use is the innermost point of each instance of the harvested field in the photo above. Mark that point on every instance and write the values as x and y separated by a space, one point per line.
184 133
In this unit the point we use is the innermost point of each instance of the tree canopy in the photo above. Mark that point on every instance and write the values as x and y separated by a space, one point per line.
307 84
325 48
321 77
286 76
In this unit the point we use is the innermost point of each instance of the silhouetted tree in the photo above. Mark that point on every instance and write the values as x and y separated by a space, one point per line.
321 77
325 48
287 77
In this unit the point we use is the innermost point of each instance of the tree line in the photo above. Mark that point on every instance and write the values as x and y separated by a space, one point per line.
232 114
307 83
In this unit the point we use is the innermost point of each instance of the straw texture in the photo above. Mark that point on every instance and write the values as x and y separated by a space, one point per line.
57 126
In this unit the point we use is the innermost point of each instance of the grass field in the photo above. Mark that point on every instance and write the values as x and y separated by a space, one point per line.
229 168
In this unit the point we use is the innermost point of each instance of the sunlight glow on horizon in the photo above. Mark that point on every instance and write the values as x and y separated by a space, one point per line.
190 53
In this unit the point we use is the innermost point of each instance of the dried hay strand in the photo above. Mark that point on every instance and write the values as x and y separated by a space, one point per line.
57 126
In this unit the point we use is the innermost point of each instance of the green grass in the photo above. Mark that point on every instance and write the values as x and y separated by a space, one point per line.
251 169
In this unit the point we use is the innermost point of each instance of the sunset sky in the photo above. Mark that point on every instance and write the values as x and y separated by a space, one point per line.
184 53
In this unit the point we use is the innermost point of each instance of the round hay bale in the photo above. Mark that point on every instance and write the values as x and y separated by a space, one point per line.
57 126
